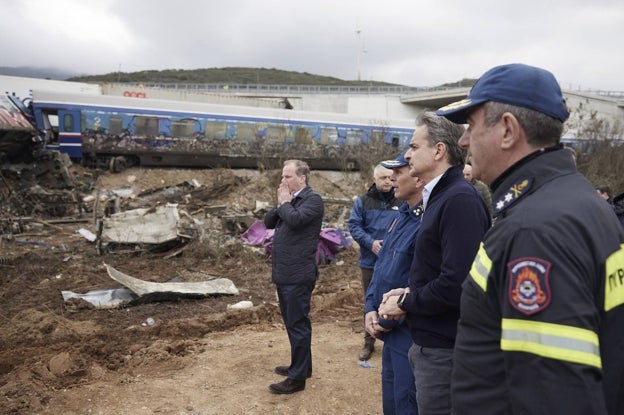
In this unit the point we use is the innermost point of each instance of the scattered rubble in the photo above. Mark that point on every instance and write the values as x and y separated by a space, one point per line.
50 344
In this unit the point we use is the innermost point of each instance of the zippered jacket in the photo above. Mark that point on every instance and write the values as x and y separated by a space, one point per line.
542 315
370 217
297 227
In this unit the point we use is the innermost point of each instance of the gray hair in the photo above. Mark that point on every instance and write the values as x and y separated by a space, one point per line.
541 130
376 170
301 169
441 130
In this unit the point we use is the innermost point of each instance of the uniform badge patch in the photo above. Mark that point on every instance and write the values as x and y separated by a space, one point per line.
529 288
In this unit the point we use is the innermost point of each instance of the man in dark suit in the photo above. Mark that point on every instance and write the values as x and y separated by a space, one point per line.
297 220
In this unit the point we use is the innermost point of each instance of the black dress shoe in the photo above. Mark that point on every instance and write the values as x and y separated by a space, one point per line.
283 371
288 386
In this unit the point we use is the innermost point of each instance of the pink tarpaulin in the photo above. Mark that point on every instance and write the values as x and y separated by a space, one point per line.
331 241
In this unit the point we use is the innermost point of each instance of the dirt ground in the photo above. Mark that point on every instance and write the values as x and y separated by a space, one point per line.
199 357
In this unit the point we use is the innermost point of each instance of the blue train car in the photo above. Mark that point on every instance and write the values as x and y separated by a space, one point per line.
116 132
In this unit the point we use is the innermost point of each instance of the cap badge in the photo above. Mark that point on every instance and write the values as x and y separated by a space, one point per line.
455 105
392 163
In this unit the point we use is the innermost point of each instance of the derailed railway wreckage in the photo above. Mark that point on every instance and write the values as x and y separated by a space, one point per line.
39 144
116 132
33 179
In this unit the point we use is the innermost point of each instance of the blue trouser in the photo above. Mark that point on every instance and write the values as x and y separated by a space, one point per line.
294 302
432 374
397 383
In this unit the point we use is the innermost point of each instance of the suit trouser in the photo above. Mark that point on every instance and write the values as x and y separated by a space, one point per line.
294 302
432 373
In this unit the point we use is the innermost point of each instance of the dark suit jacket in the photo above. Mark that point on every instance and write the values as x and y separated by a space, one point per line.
297 227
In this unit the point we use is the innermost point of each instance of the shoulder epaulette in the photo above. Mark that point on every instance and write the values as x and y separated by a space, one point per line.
515 192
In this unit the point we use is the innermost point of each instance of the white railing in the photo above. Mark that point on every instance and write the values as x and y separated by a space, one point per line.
284 89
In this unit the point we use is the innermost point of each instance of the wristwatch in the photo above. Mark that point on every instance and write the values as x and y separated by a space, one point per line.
401 300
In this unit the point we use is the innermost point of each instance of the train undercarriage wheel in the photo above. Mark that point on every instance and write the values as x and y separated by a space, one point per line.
117 164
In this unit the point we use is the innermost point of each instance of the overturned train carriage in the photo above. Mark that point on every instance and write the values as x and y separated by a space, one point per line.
33 180
18 136
116 132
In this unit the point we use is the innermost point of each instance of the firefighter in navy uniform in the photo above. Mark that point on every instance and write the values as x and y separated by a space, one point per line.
542 316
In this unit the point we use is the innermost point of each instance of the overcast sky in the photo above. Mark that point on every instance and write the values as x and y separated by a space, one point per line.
410 42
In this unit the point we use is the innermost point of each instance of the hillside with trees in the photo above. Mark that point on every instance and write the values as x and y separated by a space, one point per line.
229 75
232 75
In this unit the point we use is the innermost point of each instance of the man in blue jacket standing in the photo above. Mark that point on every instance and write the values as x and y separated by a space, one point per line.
297 221
370 217
392 271
452 226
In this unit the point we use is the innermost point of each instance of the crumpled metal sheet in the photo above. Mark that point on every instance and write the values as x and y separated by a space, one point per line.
147 226
198 288
103 298
136 291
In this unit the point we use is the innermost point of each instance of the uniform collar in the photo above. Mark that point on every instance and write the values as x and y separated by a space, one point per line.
497 182
415 210
528 174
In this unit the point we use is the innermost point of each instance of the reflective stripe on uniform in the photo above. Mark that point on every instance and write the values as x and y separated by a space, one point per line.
481 267
614 279
553 341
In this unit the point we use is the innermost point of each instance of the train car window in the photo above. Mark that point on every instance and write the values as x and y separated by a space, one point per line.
246 131
329 135
114 124
354 137
183 128
276 133
51 121
146 126
303 135
50 125
216 130
68 123
376 137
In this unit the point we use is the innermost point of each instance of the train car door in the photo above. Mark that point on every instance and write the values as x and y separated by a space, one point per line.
69 133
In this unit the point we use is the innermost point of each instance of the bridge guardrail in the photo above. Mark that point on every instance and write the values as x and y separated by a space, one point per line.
285 89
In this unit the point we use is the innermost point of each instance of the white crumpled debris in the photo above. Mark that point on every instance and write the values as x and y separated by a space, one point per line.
240 305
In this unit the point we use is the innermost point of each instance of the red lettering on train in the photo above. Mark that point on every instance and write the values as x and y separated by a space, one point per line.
134 94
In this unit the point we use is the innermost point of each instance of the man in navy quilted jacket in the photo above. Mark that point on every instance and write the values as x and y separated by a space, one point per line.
297 220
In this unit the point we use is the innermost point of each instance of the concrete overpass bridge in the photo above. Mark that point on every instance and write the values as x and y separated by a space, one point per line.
392 101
